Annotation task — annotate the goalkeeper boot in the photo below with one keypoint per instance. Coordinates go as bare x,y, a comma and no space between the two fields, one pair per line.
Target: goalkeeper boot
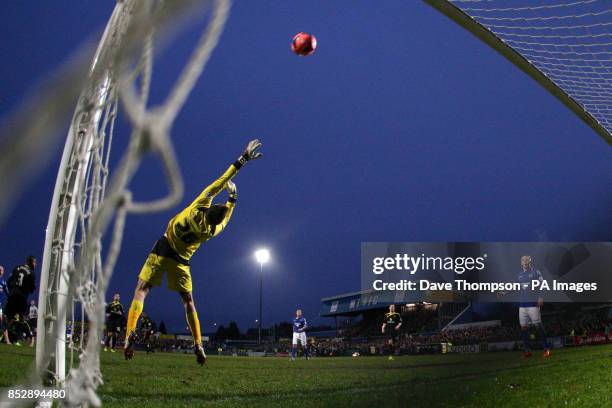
200,354
128,350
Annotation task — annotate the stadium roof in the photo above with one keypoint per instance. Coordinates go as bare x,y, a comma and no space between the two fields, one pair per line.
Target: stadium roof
352,303
358,302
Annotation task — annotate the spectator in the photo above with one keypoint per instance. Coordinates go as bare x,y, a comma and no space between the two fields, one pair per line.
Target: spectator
33,317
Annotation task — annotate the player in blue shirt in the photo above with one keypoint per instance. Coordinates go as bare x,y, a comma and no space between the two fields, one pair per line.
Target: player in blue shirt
529,306
299,333
4,292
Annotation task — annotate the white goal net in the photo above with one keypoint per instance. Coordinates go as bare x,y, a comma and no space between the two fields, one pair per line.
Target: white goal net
91,200
566,45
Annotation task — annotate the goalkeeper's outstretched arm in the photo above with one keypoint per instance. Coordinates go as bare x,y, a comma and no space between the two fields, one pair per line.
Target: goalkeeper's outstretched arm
204,200
230,204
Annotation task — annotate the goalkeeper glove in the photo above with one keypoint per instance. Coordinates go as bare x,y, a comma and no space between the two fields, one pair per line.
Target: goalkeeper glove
232,191
250,153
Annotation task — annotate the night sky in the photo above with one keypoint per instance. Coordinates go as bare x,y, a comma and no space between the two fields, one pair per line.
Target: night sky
401,127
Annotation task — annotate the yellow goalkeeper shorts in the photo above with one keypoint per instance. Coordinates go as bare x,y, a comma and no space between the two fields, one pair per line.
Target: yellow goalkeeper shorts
160,261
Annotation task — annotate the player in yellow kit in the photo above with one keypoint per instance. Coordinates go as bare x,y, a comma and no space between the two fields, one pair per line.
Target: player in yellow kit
197,223
390,327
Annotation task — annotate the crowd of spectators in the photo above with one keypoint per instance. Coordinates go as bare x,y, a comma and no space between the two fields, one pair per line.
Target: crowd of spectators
418,319
18,317
364,338
582,325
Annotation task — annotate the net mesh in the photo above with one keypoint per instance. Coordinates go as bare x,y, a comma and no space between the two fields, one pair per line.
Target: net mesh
568,41
89,207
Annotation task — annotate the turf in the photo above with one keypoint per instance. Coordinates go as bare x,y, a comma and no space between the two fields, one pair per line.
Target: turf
571,377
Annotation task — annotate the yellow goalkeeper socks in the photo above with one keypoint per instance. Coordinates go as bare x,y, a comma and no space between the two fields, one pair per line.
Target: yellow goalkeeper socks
133,315
194,325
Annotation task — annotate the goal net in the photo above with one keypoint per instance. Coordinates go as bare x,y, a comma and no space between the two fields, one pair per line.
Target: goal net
565,45
89,207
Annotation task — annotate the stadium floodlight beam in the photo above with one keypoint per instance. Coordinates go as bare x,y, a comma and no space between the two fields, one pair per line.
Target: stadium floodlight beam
262,256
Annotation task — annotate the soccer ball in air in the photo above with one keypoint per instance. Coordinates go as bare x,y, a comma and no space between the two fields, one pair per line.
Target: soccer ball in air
303,44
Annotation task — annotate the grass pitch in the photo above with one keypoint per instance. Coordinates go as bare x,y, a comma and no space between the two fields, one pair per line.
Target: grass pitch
570,377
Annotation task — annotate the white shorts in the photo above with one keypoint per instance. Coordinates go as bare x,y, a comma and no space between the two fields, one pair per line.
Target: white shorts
299,336
529,315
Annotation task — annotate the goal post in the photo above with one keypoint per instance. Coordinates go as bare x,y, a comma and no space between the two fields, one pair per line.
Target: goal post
562,45
89,206
58,255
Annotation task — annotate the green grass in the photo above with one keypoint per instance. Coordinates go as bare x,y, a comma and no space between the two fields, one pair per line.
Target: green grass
571,377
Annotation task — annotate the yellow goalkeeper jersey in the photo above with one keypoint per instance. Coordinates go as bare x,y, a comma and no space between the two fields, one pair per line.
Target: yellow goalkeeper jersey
188,229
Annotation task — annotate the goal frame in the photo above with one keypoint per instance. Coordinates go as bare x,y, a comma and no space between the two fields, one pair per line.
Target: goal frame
464,20
87,203
81,126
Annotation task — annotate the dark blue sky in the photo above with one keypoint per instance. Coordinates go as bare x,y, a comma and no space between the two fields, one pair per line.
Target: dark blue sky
402,126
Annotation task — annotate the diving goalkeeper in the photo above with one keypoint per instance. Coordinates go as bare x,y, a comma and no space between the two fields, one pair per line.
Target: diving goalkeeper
197,223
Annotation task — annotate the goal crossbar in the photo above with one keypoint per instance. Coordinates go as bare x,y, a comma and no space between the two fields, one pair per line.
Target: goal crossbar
488,37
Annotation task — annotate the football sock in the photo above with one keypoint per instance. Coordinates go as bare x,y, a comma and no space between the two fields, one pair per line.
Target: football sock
194,325
133,315
543,336
293,352
306,352
525,337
